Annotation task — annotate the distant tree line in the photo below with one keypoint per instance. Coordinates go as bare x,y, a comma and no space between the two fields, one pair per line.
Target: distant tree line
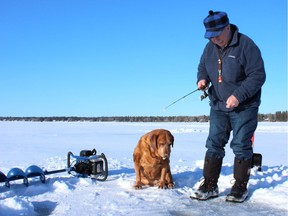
276,117
112,119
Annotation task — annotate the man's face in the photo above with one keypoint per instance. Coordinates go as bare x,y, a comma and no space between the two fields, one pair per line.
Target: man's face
223,39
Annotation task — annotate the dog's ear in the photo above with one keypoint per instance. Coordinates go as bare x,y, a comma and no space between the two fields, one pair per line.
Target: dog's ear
170,138
153,141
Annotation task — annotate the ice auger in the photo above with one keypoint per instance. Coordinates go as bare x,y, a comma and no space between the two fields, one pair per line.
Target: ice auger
87,164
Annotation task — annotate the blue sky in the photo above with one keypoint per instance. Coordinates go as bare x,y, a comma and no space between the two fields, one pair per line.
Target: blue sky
125,57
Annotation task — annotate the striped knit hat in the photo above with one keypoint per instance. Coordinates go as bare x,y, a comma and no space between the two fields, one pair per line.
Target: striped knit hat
214,23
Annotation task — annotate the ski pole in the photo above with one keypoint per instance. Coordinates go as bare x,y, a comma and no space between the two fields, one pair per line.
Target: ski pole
181,98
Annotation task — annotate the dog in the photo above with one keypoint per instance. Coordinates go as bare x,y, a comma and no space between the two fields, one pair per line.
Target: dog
152,159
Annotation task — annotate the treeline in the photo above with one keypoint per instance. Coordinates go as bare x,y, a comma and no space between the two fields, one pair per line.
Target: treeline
276,117
112,119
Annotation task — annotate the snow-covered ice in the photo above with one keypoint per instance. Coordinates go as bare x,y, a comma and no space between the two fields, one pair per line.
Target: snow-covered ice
46,145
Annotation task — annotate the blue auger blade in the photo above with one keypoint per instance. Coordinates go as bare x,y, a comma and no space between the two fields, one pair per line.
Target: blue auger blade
15,174
34,171
2,177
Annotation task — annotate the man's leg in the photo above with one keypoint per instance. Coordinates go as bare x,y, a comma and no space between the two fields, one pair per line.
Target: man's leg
219,133
244,124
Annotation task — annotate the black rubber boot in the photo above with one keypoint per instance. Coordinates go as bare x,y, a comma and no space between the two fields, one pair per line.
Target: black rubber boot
239,190
211,172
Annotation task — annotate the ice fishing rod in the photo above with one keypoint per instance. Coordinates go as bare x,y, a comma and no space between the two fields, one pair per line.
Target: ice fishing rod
198,89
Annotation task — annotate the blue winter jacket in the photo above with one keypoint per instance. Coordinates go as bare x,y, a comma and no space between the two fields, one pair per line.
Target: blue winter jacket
243,72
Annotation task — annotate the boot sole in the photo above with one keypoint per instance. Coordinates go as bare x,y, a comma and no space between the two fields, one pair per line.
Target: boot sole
235,199
204,199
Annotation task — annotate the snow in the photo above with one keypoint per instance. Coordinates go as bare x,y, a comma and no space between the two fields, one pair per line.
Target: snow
46,145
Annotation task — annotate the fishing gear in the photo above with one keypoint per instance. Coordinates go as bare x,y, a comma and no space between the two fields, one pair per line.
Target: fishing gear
202,97
88,164
256,158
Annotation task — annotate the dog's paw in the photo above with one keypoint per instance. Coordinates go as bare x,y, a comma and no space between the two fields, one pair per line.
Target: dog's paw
161,185
137,187
171,186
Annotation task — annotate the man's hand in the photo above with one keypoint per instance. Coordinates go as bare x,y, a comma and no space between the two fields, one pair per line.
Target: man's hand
202,85
232,102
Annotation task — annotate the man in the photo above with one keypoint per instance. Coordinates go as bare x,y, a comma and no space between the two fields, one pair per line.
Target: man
232,69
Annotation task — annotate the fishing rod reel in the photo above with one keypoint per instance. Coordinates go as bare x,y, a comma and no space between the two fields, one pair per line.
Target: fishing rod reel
204,95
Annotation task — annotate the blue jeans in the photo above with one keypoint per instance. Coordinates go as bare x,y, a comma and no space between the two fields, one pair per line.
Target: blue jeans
243,123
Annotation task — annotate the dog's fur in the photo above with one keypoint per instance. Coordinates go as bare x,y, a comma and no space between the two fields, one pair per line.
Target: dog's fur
152,159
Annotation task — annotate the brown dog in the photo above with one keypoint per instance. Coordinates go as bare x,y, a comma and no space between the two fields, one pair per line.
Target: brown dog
152,159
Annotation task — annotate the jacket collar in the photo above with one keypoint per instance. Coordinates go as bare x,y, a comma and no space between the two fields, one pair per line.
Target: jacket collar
235,35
